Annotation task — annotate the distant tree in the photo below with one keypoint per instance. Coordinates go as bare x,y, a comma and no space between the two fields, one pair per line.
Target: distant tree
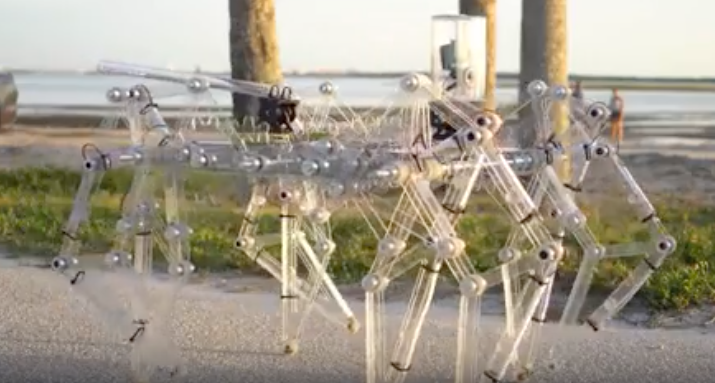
253,46
487,9
544,56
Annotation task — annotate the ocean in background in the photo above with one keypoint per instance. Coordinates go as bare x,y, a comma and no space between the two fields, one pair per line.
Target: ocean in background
38,91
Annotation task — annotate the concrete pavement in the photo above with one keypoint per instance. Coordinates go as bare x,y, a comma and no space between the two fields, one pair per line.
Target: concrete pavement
48,336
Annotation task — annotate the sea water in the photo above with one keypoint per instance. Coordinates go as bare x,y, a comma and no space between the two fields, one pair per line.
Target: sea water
77,90
656,120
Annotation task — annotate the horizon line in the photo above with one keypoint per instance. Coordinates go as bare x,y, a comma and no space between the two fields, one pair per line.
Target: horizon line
394,73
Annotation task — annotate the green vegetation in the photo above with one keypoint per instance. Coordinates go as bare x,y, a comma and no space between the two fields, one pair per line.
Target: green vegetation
36,202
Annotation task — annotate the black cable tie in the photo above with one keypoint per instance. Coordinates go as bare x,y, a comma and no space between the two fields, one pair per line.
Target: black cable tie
148,106
552,140
452,210
69,235
576,189
164,141
528,218
649,217
418,163
139,331
491,376
592,324
587,152
77,278
398,368
549,156
538,281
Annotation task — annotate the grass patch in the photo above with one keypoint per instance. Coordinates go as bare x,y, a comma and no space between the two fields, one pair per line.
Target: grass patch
36,202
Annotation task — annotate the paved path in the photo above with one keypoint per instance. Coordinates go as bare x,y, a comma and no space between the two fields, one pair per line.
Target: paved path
49,337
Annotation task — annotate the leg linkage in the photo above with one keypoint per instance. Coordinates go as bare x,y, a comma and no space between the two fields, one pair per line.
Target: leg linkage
130,259
523,211
656,248
69,262
316,246
294,240
587,128
532,238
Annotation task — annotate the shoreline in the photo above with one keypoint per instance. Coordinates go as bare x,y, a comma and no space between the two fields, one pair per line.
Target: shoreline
83,116
690,84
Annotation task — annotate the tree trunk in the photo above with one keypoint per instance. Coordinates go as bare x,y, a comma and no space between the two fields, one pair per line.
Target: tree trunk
532,63
557,70
487,9
253,49
544,56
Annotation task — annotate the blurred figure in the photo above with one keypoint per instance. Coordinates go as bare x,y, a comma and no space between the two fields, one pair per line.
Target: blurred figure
616,108
8,99
577,90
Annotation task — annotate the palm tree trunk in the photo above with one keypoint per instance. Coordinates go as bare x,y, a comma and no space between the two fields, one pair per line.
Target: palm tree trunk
557,70
532,62
487,9
253,49
544,56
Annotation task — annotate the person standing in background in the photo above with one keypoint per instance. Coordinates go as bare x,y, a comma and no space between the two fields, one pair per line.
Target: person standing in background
616,108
